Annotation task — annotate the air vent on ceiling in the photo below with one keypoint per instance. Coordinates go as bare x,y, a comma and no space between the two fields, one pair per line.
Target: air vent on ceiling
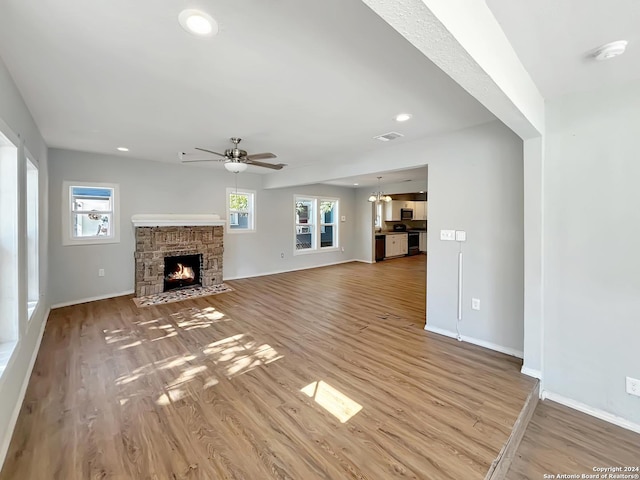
388,136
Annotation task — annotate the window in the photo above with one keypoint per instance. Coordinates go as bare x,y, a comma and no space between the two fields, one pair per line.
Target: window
378,222
316,225
8,245
33,288
241,210
92,213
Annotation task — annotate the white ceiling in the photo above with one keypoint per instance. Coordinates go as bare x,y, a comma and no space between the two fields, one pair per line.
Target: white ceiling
309,80
554,38
388,178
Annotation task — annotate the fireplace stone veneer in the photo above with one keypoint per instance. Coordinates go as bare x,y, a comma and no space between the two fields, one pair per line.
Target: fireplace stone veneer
156,240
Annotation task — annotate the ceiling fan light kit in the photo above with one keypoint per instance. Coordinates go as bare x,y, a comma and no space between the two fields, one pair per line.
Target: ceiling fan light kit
235,167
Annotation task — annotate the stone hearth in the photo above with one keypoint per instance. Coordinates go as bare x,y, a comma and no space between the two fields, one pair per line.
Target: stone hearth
160,236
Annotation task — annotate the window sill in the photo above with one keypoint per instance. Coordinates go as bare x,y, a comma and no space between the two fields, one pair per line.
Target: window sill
318,250
6,350
93,241
31,307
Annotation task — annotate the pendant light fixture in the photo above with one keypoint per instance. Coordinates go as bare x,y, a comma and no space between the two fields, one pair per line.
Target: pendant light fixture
379,196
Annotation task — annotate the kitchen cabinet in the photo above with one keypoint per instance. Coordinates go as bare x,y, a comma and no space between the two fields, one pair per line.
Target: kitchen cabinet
396,244
392,209
423,242
419,210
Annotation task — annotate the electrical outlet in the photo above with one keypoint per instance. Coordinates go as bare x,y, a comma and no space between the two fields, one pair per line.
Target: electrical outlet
633,386
101,272
475,304
343,218
447,235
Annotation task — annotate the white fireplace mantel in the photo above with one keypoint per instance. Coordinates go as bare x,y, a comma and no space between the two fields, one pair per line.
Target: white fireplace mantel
176,220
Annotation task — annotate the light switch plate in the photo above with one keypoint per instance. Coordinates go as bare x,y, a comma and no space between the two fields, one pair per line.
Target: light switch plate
461,236
343,218
447,235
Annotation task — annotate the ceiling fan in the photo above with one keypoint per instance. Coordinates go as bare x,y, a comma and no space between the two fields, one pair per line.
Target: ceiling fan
236,160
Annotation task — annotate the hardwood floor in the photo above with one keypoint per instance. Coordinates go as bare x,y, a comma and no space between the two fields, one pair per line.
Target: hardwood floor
560,440
317,374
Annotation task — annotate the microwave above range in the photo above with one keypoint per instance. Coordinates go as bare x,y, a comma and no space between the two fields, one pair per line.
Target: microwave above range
406,214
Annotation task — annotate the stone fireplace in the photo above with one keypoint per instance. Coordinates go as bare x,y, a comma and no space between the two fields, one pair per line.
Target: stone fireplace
176,251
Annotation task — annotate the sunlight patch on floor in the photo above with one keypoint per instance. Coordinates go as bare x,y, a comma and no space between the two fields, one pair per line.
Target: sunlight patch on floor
239,354
332,400
170,397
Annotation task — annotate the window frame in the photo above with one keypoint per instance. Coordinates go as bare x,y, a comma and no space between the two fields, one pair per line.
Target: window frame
32,251
11,242
317,223
67,207
251,210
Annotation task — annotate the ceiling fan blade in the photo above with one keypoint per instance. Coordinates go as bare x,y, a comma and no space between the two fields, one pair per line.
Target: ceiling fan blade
273,166
260,156
210,151
202,160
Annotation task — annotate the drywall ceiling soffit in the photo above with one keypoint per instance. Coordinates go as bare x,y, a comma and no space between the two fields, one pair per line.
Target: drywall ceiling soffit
388,177
465,41
554,41
292,77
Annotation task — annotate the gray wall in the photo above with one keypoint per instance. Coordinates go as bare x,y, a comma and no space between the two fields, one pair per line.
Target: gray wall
533,255
592,264
154,187
15,115
475,183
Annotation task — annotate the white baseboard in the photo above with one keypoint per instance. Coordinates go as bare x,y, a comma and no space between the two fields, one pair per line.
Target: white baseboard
531,372
276,272
92,299
475,341
594,412
6,441
363,261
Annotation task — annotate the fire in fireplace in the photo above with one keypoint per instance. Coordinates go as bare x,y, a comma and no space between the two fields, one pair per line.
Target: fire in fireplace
182,271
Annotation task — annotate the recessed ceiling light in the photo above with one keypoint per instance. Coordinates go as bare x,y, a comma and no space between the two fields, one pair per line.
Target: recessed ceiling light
355,184
403,117
610,50
421,191
198,23
123,149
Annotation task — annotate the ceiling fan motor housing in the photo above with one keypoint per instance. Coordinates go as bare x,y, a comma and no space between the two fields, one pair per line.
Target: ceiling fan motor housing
235,153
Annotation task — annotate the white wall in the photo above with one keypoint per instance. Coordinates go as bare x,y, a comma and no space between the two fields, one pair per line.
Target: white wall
15,116
475,183
592,264
154,187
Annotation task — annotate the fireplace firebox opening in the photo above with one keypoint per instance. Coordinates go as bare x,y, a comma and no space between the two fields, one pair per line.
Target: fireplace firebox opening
182,271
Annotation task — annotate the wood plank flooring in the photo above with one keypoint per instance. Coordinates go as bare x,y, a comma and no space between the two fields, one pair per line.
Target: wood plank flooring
560,440
318,374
